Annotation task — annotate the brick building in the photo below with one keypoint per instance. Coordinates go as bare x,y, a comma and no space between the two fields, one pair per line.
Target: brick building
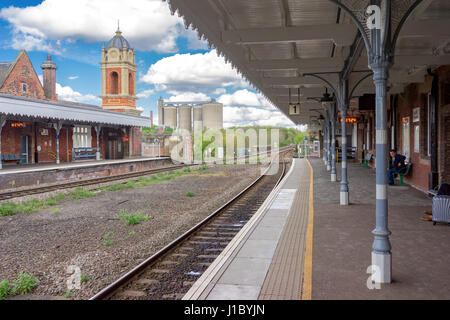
36,127
419,128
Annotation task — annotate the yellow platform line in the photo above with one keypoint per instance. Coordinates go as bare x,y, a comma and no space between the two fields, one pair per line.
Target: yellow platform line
307,270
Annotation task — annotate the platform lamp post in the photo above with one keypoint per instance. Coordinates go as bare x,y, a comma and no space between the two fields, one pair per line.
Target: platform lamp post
380,30
2,123
57,126
98,131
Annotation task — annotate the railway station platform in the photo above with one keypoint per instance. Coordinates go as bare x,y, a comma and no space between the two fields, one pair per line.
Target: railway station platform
302,244
19,177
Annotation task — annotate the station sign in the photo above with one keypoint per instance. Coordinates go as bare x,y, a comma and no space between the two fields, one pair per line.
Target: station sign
349,120
17,125
125,139
294,109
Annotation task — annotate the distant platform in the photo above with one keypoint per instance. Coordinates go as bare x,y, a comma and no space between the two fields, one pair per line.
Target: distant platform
25,176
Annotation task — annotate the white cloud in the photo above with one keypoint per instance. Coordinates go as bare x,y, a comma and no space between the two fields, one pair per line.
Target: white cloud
245,98
145,93
251,116
220,91
247,108
189,96
147,24
68,94
193,72
73,77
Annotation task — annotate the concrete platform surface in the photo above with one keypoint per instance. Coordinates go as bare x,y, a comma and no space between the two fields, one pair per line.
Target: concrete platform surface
248,268
14,169
343,241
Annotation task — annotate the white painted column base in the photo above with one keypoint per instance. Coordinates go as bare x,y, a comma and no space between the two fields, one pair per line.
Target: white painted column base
333,177
57,162
381,267
328,167
344,198
97,157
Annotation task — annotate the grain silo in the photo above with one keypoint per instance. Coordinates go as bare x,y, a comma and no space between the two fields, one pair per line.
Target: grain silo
198,117
170,117
184,118
213,115
160,112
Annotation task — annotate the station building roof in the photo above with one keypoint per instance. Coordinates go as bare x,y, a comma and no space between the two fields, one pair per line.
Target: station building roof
277,44
19,107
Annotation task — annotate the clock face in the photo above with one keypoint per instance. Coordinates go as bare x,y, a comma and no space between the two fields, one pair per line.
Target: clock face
113,54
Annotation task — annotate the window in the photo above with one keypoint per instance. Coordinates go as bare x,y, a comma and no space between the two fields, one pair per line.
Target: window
130,84
114,82
24,87
82,137
417,139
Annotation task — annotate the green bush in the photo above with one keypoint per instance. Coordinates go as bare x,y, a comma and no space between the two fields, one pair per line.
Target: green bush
190,194
84,278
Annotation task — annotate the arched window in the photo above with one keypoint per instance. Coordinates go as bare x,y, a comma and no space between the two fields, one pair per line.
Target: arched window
114,80
130,84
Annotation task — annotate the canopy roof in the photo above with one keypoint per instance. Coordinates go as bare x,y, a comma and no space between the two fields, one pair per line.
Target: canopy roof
14,107
274,44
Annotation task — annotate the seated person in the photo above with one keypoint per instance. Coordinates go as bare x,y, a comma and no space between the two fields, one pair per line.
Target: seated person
397,163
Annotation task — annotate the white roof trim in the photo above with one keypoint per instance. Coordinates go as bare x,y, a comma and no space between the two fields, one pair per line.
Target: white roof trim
18,106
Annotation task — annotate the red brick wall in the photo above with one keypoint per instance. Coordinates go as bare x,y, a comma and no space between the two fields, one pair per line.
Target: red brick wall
136,141
444,124
23,72
413,97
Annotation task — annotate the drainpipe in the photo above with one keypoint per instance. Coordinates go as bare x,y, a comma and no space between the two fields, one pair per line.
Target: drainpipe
433,175
2,123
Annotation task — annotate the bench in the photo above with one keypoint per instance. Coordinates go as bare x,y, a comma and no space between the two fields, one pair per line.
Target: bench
403,172
84,153
10,157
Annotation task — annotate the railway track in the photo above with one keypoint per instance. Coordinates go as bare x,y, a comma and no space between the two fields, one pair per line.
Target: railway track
82,183
169,274
38,190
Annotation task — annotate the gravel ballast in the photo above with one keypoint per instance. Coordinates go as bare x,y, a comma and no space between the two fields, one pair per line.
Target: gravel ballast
48,242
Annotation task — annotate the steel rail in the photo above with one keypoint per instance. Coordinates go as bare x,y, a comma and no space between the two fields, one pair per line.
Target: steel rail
110,290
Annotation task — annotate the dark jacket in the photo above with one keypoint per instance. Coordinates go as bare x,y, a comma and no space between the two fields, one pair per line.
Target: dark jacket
398,159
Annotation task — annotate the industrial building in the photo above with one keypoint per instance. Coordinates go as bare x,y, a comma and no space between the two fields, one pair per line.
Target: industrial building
188,115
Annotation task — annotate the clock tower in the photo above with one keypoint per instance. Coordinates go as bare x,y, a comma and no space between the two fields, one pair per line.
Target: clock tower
119,76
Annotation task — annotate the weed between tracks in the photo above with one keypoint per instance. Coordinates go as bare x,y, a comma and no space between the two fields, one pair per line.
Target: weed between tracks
24,283
133,218
35,205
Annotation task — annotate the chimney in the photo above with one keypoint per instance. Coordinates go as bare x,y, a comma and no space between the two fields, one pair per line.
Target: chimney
49,70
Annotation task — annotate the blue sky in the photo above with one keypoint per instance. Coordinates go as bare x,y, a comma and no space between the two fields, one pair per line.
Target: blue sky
172,62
